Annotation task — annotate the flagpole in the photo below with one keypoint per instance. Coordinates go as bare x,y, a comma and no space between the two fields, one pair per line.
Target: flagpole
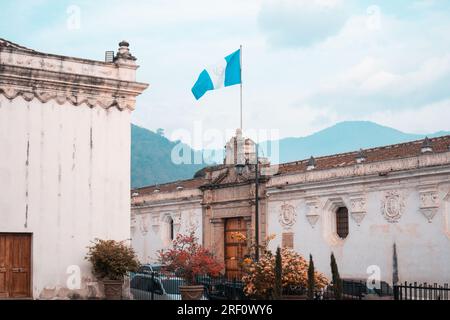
241,83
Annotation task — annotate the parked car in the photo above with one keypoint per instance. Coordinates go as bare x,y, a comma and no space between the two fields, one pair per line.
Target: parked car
149,268
146,287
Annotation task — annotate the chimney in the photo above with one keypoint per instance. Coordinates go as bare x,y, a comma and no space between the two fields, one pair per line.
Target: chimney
361,156
427,146
311,164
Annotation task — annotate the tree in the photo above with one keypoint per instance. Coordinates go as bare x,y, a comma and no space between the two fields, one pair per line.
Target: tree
160,131
188,259
311,278
337,282
277,292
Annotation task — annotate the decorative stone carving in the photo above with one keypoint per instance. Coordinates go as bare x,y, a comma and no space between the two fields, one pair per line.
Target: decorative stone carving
429,202
329,220
176,222
447,214
133,221
288,216
143,225
192,220
155,222
392,206
358,208
70,79
313,213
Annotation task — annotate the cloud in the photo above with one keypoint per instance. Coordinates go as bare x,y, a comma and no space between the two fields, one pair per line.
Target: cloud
307,64
301,23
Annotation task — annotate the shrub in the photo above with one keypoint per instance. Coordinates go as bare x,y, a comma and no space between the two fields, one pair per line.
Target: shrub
111,260
337,282
259,277
278,289
311,278
188,259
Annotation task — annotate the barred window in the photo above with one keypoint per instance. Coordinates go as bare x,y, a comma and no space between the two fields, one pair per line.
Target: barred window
342,222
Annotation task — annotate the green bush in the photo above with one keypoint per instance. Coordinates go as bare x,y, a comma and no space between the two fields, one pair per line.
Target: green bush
111,260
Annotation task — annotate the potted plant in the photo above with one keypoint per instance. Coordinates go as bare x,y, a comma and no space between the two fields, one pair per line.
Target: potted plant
111,261
189,260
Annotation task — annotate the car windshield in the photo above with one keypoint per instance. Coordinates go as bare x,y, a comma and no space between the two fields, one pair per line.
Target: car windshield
172,286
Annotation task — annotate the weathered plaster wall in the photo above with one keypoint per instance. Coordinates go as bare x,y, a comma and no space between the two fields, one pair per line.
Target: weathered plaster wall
150,226
64,177
422,240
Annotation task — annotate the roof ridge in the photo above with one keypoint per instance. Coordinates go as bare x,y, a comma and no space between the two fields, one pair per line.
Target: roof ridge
365,150
15,45
168,183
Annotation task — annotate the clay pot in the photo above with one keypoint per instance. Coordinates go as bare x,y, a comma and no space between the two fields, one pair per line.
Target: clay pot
191,292
113,289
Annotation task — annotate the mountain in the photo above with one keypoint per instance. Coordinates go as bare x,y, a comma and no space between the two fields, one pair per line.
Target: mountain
151,161
151,153
343,137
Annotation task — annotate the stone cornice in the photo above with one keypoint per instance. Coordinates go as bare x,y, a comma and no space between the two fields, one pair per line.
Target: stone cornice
340,186
162,205
62,79
380,168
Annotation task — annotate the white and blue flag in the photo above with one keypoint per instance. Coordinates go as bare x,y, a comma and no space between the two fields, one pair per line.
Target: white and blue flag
224,74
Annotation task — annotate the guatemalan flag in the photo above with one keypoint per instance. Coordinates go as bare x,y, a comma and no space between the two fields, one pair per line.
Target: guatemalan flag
226,73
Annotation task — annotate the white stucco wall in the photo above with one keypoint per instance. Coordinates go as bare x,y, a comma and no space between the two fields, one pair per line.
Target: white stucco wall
65,178
423,247
150,228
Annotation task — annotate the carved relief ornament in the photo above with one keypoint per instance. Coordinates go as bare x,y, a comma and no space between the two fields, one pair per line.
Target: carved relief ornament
358,208
429,202
312,214
393,206
288,216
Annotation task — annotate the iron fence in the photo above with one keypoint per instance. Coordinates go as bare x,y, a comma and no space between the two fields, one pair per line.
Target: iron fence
166,286
414,291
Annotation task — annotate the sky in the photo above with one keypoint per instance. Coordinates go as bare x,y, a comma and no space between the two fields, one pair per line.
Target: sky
307,64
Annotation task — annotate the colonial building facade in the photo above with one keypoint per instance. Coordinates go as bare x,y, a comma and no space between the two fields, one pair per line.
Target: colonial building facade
64,166
358,205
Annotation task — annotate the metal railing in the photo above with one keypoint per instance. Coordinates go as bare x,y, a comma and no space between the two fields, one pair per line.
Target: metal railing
414,291
166,286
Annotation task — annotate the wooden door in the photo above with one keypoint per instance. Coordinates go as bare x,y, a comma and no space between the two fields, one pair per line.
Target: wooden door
15,265
235,249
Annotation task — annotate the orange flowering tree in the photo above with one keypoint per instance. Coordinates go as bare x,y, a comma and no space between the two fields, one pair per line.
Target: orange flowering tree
188,259
259,277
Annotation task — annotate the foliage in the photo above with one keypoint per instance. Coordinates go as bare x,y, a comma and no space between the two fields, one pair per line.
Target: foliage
111,260
151,159
337,282
278,290
189,259
311,278
259,276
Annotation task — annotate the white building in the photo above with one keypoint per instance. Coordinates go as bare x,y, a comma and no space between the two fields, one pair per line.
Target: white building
356,205
64,166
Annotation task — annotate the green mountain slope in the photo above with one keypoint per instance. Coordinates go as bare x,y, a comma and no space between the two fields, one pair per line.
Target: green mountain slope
151,153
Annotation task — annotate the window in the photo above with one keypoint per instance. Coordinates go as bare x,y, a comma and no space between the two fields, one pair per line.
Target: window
342,222
171,229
